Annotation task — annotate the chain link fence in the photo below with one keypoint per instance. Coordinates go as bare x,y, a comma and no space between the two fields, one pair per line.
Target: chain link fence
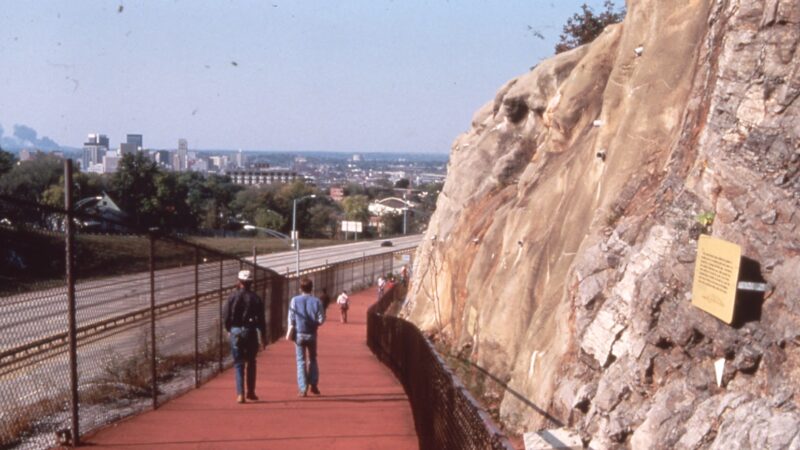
147,322
446,415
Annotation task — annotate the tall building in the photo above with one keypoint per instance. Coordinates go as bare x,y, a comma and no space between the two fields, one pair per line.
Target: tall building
183,155
135,140
127,148
94,149
162,158
240,160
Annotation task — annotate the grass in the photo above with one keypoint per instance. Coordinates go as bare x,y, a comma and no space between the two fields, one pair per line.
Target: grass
130,377
241,246
19,421
34,260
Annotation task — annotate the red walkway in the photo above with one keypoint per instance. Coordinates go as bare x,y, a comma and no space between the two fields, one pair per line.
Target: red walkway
362,405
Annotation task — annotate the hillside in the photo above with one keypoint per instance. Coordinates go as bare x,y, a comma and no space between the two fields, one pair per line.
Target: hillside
561,254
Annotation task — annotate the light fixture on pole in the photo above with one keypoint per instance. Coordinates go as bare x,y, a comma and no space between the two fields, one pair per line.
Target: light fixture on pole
269,232
295,234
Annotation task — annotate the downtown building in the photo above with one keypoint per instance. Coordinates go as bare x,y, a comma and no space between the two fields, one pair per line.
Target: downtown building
94,149
262,174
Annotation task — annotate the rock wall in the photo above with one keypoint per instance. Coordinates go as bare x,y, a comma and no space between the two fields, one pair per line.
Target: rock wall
561,254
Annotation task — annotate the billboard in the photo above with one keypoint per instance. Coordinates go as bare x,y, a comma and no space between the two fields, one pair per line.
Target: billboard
348,226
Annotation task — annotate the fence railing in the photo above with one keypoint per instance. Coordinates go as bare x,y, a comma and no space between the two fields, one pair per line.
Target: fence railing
147,330
446,416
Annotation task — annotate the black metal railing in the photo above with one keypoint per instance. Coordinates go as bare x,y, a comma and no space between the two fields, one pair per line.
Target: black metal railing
446,416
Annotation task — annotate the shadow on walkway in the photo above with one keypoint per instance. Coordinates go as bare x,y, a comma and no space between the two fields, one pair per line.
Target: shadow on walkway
362,405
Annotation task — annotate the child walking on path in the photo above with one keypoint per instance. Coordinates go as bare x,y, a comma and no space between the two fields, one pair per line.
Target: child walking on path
344,304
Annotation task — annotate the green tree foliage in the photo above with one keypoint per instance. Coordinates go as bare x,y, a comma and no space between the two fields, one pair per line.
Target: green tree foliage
29,179
392,223
429,195
324,219
7,162
84,185
222,192
402,183
354,189
171,205
356,208
585,26
247,202
267,218
134,189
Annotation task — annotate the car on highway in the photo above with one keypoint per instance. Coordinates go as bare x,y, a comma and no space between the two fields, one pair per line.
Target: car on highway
386,244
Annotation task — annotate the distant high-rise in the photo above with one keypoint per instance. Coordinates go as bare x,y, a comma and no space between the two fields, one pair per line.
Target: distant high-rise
240,160
183,153
94,149
135,140
127,148
162,158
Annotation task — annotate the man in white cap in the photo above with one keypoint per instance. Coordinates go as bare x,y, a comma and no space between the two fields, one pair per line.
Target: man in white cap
244,320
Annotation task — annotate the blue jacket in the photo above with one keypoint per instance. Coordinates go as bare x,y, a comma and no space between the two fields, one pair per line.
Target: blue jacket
306,314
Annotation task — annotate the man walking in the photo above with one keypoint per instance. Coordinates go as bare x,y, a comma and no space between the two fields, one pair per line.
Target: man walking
244,320
306,314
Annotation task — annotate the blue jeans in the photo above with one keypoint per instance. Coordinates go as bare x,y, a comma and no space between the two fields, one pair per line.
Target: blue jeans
306,351
240,362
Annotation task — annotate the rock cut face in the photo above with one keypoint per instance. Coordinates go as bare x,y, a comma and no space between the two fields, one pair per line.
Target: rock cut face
562,249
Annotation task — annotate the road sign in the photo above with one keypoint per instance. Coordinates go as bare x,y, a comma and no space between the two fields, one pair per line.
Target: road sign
716,272
348,225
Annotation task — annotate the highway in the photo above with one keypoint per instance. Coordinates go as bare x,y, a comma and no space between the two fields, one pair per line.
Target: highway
322,256
33,357
26,318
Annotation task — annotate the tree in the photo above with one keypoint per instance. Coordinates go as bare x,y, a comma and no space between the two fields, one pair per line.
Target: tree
85,185
402,183
247,202
585,26
356,207
324,218
392,223
267,218
135,191
7,162
30,179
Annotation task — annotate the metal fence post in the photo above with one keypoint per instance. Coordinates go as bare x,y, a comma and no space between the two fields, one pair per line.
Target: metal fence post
153,370
71,307
196,318
221,318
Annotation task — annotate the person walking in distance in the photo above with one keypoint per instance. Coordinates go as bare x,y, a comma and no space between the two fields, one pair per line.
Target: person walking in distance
344,304
306,314
381,286
325,298
244,320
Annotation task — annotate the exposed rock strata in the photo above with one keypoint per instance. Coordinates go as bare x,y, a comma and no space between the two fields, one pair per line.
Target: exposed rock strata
562,249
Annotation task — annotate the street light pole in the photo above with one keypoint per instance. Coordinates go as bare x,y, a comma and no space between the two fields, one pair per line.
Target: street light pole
405,213
295,234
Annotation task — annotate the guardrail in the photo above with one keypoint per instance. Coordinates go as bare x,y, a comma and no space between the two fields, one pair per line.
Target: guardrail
446,416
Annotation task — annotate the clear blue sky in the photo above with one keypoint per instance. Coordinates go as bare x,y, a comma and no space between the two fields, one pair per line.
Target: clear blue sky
368,75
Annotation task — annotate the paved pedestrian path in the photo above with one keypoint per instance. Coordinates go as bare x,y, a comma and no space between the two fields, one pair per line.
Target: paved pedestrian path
362,405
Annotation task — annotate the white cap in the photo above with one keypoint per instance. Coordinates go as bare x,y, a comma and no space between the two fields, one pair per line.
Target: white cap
245,275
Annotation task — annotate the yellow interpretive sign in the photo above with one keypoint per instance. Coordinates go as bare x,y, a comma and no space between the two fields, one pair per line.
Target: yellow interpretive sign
716,273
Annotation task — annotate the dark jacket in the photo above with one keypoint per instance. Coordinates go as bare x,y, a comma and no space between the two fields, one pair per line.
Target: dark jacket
245,309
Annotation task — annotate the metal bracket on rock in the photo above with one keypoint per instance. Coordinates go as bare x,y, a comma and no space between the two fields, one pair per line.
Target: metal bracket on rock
753,286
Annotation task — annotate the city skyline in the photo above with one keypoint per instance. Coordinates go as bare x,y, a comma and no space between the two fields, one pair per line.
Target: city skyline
305,76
